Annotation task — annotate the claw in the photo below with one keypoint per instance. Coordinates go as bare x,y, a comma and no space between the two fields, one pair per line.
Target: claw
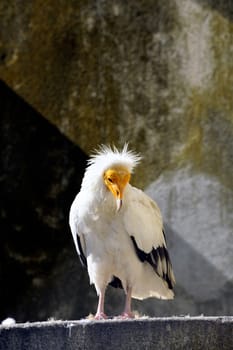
100,316
127,315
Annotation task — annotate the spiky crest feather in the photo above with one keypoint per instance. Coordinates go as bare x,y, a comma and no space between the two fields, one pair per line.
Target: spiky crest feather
106,157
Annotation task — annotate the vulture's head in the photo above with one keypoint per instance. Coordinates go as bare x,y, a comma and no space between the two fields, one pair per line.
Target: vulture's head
112,169
116,178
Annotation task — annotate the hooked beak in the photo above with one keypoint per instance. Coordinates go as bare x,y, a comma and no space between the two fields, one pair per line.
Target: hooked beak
118,203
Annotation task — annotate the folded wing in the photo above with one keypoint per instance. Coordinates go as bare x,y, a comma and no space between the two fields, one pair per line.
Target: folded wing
143,223
77,236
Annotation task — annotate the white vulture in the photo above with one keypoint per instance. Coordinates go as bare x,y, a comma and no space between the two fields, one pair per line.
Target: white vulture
118,231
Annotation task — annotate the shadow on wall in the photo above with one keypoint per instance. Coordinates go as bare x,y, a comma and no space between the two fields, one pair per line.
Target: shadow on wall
200,287
40,273
203,285
225,8
40,173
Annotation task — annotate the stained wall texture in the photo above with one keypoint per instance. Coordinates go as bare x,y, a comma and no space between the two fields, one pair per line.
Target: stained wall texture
210,333
156,74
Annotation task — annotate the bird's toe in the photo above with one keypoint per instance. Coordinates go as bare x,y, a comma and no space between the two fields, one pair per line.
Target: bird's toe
100,316
126,315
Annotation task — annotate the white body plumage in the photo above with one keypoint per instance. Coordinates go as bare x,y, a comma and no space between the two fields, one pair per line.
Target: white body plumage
127,244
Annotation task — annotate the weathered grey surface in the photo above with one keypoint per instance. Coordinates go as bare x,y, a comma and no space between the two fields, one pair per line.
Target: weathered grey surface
199,219
158,74
168,333
155,73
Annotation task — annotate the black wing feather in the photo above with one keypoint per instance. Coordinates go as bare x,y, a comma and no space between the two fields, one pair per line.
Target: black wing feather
159,259
116,282
82,256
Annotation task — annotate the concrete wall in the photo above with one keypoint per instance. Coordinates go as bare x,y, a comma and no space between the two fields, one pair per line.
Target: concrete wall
155,73
168,333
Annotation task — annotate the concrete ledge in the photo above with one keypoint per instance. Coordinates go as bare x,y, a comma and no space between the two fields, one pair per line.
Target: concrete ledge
145,333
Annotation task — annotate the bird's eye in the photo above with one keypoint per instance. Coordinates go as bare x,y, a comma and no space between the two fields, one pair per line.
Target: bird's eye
110,180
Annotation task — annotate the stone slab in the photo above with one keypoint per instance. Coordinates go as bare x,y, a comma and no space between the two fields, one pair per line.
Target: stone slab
145,333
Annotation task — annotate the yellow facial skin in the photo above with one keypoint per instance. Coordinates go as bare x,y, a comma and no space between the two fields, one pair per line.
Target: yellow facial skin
116,179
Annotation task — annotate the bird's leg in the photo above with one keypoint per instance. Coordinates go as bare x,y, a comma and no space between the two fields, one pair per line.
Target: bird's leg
100,315
127,311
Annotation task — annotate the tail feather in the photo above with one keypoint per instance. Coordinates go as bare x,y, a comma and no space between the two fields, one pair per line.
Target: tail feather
151,285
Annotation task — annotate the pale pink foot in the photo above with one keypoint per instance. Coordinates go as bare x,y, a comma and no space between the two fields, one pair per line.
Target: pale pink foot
126,315
100,316
127,312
